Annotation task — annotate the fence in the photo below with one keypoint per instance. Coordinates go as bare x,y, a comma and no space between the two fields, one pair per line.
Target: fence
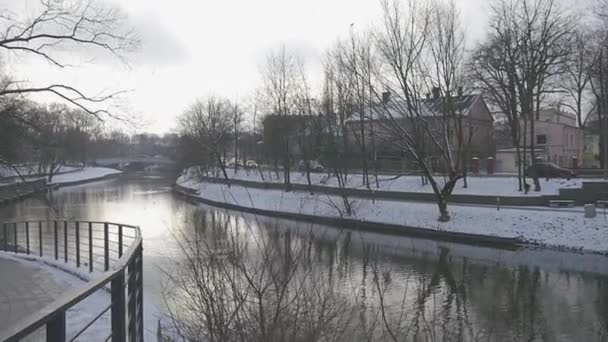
114,250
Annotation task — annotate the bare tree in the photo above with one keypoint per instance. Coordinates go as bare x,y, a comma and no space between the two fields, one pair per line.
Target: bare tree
280,85
533,43
599,79
61,25
237,122
422,128
577,76
209,122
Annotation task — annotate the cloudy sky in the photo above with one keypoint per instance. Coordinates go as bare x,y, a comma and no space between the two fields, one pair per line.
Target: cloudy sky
196,48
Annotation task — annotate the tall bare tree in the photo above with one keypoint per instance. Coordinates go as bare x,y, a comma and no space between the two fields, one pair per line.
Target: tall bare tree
577,76
411,44
210,123
532,40
280,79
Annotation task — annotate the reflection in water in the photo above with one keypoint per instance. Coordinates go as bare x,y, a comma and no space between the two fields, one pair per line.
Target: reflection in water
395,286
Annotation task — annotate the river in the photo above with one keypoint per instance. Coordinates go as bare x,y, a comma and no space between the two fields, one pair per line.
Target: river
498,295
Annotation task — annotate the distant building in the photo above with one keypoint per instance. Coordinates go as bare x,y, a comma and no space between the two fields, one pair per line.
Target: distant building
477,122
557,139
292,134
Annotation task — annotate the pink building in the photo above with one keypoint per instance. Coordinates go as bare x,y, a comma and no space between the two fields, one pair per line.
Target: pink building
557,140
558,137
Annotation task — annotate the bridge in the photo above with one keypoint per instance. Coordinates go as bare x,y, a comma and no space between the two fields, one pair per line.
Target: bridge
136,163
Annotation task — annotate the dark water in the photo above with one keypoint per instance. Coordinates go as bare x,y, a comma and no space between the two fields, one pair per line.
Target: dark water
444,291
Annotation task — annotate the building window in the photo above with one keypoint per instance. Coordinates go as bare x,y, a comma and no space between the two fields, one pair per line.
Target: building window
541,139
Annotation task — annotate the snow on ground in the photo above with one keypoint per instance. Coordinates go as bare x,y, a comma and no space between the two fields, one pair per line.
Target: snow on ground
82,313
477,185
88,173
552,228
27,171
72,277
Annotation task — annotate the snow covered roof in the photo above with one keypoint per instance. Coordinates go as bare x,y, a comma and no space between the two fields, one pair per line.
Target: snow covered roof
398,108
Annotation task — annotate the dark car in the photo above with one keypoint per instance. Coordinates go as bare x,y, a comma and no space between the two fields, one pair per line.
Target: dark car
548,170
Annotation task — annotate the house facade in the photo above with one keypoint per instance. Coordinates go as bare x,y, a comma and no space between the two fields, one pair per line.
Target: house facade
557,139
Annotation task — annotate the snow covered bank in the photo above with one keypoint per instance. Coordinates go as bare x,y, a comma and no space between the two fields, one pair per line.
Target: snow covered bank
489,186
549,228
86,174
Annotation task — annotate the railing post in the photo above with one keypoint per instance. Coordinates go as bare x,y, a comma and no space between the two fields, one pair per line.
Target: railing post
140,292
27,237
106,247
65,240
118,307
5,231
132,302
90,247
55,329
40,236
55,240
15,231
77,237
120,240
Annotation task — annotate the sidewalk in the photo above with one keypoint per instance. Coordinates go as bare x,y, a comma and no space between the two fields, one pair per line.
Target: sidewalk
24,289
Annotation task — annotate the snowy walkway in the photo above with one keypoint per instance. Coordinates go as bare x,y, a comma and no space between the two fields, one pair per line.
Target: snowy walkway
563,229
477,185
28,286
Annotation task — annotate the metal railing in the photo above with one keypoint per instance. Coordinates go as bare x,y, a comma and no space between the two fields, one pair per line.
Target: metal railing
113,250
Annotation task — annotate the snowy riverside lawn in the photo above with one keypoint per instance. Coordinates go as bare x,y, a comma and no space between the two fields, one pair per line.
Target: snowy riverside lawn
553,228
477,185
71,174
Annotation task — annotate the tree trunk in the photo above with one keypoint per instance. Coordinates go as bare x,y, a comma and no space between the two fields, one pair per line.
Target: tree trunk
532,144
444,215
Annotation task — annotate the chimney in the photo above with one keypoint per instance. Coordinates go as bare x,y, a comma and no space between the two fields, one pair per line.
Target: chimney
386,96
435,93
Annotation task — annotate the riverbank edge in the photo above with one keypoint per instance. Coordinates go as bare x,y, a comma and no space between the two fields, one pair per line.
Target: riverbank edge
56,186
377,227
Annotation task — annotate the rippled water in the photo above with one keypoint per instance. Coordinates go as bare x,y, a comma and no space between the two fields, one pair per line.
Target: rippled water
439,291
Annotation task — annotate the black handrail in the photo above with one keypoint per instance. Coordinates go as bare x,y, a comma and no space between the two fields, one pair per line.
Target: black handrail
123,274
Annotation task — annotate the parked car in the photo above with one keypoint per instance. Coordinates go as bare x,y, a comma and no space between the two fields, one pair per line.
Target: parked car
232,161
548,170
251,164
315,166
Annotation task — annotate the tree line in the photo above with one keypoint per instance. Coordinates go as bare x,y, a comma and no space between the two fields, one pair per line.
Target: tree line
377,83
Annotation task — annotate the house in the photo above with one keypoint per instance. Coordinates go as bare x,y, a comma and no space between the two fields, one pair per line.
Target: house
557,139
472,112
557,134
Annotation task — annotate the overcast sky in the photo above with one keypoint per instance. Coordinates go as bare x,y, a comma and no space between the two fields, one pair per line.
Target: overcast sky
196,48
